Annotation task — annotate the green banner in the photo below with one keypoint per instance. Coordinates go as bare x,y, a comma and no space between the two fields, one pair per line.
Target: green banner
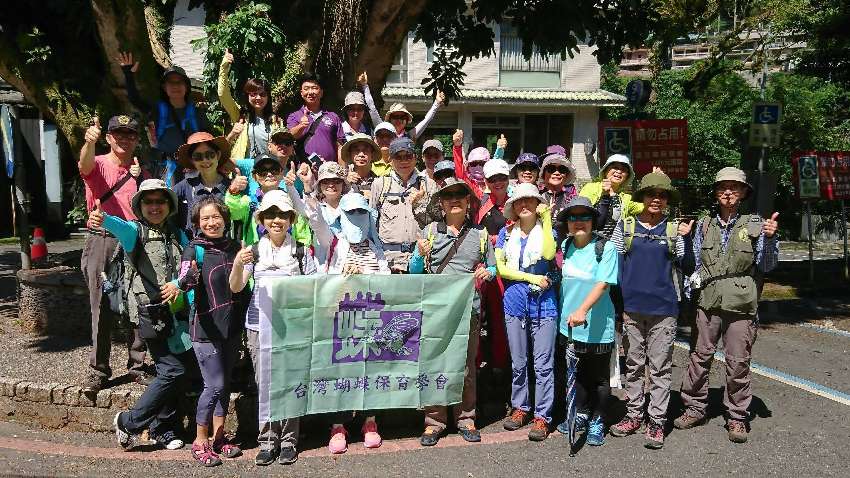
362,342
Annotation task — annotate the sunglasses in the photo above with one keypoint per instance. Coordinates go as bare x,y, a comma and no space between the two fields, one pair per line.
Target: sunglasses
398,118
276,214
561,169
266,171
582,218
444,174
198,156
158,202
453,195
284,142
357,212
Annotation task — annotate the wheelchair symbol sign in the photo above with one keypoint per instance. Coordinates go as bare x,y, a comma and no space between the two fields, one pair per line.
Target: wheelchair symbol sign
618,141
766,113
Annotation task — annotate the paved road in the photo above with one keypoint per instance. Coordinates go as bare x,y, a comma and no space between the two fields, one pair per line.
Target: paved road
794,432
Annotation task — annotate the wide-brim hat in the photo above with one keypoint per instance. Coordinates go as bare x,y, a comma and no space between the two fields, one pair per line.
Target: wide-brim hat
558,160
451,183
657,180
526,159
477,155
331,170
521,191
352,201
621,159
220,143
345,152
575,203
147,186
354,98
731,173
274,198
554,149
398,108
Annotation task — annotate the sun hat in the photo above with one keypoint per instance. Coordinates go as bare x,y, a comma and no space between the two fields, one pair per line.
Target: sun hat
265,159
521,191
385,126
279,131
354,98
398,108
147,186
444,165
352,201
730,173
331,170
451,183
526,159
400,144
554,149
123,122
577,202
274,198
345,152
220,143
657,180
479,154
618,158
433,143
558,160
495,167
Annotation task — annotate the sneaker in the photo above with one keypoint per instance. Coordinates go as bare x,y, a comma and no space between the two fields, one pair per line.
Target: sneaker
431,436
654,438
338,442
225,448
596,431
539,430
204,454
371,438
469,433
169,441
737,431
581,424
288,455
93,383
123,436
626,427
266,456
516,420
687,421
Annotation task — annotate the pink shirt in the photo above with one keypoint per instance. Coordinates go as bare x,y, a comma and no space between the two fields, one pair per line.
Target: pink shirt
104,175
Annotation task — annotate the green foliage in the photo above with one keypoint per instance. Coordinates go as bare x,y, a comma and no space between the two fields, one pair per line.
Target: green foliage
35,48
258,45
611,81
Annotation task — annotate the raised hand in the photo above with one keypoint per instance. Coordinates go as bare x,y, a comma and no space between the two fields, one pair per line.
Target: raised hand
657,169
542,209
125,59
93,131
606,187
441,98
244,256
770,225
135,169
418,195
304,121
363,80
502,142
238,127
228,57
96,216
457,137
685,227
238,183
169,291
290,178
353,177
305,173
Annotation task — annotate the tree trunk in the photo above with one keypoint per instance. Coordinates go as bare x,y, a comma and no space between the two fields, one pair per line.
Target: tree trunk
159,22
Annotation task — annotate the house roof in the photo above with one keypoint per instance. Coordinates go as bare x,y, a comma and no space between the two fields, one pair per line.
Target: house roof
510,96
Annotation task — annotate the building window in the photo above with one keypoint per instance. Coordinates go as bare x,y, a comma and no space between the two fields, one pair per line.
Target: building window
398,72
544,130
539,71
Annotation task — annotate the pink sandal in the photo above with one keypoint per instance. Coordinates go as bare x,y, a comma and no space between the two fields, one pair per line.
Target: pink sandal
371,438
338,442
205,455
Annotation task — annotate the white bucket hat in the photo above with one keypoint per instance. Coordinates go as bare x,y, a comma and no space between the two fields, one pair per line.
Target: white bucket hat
521,191
274,198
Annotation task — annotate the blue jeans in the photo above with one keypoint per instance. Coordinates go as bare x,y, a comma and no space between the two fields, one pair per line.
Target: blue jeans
157,407
538,336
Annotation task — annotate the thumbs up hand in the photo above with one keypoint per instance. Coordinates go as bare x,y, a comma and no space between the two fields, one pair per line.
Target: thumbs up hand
228,57
244,256
770,225
135,169
238,127
238,183
502,142
93,131
685,227
457,137
96,216
363,80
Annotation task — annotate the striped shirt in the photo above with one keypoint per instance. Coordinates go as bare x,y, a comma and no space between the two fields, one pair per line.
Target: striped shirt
362,256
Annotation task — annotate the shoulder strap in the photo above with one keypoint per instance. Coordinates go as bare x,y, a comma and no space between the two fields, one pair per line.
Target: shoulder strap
115,187
255,251
453,250
484,237
312,130
600,246
191,117
706,222
199,255
385,188
628,232
299,256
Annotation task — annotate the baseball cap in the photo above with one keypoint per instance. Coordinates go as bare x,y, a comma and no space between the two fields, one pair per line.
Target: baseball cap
401,144
122,122
495,167
432,143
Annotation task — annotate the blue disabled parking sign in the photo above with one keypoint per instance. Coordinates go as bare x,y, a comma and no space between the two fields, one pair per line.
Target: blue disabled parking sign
766,113
618,140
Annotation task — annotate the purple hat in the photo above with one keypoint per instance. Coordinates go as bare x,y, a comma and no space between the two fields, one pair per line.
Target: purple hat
527,158
554,149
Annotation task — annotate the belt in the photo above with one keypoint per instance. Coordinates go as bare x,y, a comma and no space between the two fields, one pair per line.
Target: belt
399,246
100,232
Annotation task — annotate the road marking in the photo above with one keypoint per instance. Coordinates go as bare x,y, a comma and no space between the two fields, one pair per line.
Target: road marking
787,379
828,330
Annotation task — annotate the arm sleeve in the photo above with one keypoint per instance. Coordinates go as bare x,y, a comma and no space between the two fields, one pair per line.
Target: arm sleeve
604,208
617,238
457,156
224,95
187,278
679,248
425,121
767,253
499,153
548,237
417,263
127,232
370,105
489,257
634,208
133,91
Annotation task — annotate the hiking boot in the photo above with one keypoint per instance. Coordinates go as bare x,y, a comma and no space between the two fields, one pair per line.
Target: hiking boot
126,439
288,455
687,421
93,383
539,430
516,420
596,431
737,431
469,433
431,436
626,427
266,456
654,438
168,440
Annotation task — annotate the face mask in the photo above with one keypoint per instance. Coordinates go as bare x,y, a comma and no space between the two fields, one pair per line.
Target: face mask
476,173
355,227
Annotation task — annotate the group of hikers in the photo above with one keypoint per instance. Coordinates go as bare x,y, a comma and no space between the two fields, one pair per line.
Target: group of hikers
209,219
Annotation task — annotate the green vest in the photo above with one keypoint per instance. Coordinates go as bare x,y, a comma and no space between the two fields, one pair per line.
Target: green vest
727,277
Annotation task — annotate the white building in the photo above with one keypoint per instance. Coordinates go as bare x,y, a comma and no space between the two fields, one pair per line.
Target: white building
533,103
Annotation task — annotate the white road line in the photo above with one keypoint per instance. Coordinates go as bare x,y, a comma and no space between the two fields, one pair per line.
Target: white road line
828,330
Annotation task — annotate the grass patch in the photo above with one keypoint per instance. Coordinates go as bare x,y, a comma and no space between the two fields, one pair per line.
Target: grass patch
9,241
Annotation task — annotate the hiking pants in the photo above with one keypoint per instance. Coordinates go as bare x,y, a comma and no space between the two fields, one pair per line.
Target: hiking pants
464,412
538,337
279,433
156,409
593,381
97,252
739,334
650,340
216,360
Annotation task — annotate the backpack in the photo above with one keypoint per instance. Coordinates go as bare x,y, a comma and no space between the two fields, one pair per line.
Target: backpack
670,234
599,246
